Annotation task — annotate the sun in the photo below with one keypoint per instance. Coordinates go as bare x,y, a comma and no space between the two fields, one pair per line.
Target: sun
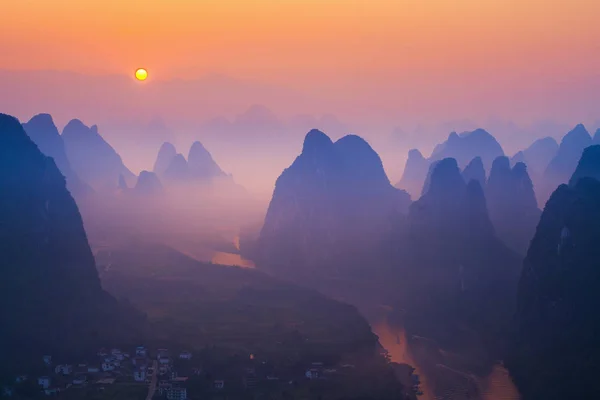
141,74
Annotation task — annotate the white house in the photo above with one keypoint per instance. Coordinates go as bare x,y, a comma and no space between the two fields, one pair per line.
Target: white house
163,386
52,392
219,384
107,367
139,361
93,369
47,360
44,382
185,355
140,351
80,380
63,369
164,361
160,353
21,378
139,375
163,369
176,393
312,373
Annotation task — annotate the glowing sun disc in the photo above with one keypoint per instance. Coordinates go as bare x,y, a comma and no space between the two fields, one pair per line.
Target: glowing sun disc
141,74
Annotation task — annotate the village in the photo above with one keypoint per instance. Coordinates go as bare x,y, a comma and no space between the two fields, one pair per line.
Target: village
148,374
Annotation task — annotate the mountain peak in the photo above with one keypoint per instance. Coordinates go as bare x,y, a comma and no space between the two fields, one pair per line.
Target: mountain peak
415,173
166,153
9,129
445,177
197,150
178,168
201,163
75,127
597,136
42,120
520,169
39,127
148,184
315,141
468,145
479,132
475,171
577,135
500,165
354,143
415,154
92,157
588,166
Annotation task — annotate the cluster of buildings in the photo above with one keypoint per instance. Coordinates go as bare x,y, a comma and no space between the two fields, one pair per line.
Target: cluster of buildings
160,372
109,367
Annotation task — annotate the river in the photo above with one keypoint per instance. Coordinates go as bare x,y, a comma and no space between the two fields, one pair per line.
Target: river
438,381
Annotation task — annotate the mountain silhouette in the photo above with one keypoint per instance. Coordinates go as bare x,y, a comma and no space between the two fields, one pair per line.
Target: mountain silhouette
518,157
512,204
427,182
165,155
201,164
42,130
463,148
558,300
455,272
50,291
468,145
94,160
475,171
537,157
334,202
596,138
178,169
415,172
148,184
589,165
565,161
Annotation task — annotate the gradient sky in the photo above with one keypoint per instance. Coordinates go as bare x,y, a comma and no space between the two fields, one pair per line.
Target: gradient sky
375,64
423,49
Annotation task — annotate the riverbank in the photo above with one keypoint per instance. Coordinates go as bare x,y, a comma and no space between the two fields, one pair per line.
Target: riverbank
439,373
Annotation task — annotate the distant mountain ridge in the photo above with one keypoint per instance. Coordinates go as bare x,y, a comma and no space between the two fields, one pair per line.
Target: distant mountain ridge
42,130
452,270
571,147
94,160
199,165
332,197
50,291
512,204
463,148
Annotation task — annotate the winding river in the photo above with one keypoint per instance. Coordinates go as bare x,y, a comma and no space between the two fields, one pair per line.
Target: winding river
438,381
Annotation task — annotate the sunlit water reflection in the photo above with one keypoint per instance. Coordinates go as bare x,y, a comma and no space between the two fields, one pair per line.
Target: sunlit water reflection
438,381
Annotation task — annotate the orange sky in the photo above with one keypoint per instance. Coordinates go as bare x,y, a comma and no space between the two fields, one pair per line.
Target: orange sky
427,57
375,64
275,38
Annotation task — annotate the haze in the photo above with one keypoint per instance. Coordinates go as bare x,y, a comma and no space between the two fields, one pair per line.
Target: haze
424,68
